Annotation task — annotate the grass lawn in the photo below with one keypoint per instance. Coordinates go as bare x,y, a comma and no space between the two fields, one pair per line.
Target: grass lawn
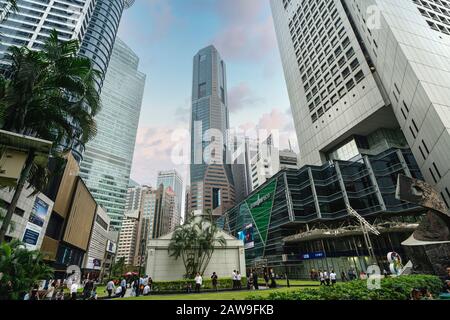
298,283
228,295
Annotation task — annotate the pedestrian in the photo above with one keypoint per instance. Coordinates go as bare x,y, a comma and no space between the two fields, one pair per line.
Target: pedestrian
234,279
34,295
110,287
333,277
343,276
198,282
426,294
322,277
150,283
266,279
214,279
88,286
74,290
51,291
239,280
93,295
189,287
123,284
60,294
326,275
255,280
273,283
250,281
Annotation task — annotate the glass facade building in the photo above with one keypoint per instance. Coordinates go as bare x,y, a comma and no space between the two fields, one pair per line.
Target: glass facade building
211,181
173,180
108,157
297,210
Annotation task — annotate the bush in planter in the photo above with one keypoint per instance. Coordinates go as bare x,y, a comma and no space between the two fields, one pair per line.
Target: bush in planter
398,288
180,285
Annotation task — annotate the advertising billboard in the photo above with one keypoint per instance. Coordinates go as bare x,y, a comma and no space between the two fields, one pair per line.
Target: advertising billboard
111,247
35,224
247,236
39,212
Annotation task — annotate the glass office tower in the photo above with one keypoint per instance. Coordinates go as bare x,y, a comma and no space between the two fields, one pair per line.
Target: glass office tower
108,157
211,181
173,180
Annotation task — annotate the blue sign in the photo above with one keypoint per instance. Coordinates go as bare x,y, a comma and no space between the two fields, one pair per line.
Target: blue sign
314,255
30,237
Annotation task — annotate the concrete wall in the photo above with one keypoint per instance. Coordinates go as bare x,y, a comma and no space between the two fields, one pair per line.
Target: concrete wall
162,267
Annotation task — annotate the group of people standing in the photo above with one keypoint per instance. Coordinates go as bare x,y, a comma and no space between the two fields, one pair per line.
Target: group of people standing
139,286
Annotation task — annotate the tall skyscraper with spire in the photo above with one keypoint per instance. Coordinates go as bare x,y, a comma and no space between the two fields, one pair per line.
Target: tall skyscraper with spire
211,179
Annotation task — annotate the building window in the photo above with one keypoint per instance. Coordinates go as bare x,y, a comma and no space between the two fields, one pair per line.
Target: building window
202,90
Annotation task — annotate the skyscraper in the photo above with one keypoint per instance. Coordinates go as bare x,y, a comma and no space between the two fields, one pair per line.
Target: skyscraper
173,180
211,178
364,76
34,21
107,160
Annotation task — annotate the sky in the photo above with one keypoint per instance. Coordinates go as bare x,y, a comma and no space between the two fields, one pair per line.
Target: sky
166,34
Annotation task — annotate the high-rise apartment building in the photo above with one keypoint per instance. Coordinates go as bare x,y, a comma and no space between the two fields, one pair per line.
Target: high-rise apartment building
173,180
127,245
107,160
364,76
211,178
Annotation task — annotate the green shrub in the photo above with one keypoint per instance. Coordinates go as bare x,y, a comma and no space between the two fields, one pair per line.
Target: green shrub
181,285
398,288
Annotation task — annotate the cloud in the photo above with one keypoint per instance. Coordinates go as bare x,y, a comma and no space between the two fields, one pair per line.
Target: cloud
242,96
247,32
154,152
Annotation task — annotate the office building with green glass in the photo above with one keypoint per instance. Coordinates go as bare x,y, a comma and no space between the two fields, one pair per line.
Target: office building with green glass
298,219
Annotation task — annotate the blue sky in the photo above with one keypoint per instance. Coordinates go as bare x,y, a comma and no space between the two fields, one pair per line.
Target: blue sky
166,34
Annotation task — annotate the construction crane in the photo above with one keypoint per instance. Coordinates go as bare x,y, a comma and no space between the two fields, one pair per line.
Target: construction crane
366,227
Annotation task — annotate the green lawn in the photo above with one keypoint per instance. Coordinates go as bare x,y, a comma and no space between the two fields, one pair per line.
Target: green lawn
228,295
298,283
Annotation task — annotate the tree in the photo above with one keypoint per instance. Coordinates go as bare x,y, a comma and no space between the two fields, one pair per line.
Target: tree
52,95
20,269
194,242
118,268
8,7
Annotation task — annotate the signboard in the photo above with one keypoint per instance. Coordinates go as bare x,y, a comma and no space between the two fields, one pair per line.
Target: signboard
94,264
311,256
111,247
247,236
35,224
39,212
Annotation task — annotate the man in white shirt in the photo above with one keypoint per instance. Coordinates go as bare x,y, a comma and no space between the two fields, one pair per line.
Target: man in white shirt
198,282
322,277
110,287
234,278
118,292
146,290
333,277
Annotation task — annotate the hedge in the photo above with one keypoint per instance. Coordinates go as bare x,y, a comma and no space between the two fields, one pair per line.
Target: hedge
181,285
398,288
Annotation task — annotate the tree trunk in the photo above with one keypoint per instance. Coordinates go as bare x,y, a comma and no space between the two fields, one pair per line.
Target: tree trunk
12,207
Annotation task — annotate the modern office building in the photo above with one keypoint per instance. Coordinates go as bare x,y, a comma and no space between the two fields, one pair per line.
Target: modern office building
108,157
211,178
298,220
164,208
173,180
34,21
355,67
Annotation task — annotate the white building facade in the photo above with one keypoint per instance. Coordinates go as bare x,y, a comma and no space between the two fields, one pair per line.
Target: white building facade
363,74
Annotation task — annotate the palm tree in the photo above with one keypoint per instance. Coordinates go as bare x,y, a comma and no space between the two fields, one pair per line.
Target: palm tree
20,269
8,7
195,242
52,95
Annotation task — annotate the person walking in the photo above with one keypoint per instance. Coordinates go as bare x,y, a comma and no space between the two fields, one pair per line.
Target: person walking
198,282
214,279
266,279
255,280
234,279
239,280
250,282
333,277
273,283
110,287
343,277
326,275
322,277
123,284
88,286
